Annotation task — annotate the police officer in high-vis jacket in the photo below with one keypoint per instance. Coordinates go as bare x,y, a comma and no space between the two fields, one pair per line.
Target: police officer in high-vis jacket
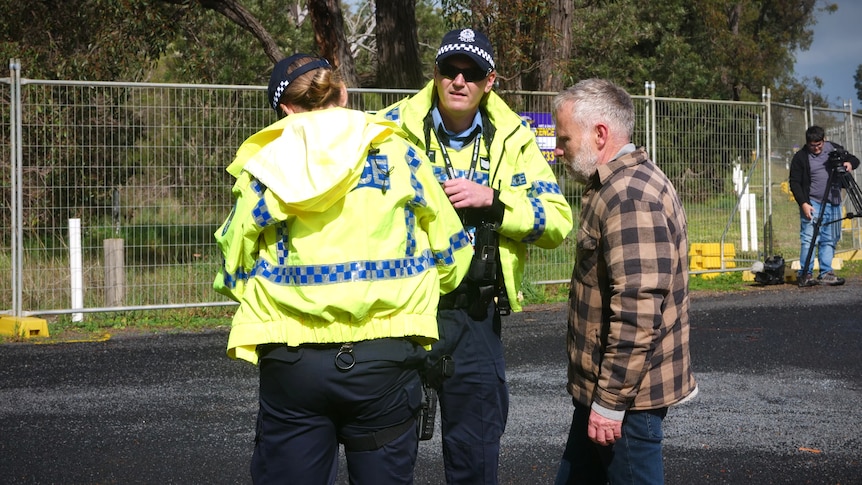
490,166
337,249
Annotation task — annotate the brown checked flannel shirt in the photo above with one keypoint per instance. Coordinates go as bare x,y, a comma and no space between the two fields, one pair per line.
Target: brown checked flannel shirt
628,317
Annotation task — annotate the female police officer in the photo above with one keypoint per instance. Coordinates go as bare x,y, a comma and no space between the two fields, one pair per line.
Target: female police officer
337,249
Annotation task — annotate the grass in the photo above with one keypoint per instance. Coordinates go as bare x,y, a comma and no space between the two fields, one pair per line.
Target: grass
100,326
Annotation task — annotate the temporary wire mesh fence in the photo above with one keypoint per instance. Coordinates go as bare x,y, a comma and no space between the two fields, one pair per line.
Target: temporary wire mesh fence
144,164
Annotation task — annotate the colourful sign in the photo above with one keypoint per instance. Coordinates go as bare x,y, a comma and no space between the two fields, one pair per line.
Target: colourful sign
542,125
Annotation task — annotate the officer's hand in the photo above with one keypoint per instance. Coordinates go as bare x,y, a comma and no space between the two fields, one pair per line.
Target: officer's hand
465,193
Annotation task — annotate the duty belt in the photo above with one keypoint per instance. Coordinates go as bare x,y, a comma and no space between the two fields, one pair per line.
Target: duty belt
453,300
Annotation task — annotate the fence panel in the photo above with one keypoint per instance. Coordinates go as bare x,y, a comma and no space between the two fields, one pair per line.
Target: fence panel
840,128
713,153
139,163
788,136
6,233
144,164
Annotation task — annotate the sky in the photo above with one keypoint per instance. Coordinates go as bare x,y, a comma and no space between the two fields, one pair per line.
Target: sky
835,53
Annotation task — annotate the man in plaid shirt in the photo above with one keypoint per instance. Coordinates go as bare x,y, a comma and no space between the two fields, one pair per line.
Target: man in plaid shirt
628,318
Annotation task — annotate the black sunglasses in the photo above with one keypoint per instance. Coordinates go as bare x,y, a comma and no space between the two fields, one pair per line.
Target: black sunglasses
471,74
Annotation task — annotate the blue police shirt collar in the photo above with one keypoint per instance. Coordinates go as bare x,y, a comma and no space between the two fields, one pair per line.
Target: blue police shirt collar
452,139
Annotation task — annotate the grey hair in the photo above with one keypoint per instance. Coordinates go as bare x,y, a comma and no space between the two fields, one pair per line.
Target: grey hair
599,101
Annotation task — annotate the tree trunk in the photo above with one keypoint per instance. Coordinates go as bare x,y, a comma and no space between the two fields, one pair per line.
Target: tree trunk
328,23
398,62
554,55
734,17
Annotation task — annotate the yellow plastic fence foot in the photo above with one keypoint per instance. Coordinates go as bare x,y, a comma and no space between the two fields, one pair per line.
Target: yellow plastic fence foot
23,326
706,256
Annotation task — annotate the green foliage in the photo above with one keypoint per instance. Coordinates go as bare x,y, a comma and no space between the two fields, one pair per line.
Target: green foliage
721,282
87,39
432,28
76,129
541,294
456,15
700,49
212,49
167,321
696,49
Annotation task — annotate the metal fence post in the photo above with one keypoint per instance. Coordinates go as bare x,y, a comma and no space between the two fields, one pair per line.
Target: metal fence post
17,169
852,145
767,182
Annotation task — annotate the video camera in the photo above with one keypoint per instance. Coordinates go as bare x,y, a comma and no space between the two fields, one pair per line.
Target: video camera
836,160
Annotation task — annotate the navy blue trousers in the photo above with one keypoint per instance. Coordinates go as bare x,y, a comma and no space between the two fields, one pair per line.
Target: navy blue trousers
474,402
308,406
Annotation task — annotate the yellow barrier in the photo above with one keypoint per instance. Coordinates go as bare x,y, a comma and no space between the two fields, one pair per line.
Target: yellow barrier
23,327
706,256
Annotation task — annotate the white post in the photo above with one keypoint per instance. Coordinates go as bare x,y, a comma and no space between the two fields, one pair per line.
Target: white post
743,220
752,208
76,268
737,179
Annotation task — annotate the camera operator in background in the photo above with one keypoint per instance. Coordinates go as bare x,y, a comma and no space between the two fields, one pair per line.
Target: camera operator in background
809,175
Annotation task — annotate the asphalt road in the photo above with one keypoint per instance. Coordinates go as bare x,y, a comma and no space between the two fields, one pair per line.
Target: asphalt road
780,401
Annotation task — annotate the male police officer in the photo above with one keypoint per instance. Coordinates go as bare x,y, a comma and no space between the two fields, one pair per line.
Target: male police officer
491,168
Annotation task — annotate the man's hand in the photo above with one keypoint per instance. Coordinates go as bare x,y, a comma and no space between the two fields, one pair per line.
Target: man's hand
465,193
807,210
603,431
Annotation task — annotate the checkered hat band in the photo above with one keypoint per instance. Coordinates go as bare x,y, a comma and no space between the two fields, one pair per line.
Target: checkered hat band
467,48
299,71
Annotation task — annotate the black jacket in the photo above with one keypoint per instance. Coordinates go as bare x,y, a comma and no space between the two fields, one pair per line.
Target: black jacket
800,173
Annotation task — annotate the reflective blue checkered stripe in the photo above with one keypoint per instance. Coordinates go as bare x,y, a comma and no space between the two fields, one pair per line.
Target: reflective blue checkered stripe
456,242
410,220
231,279
544,187
282,244
413,161
540,217
393,114
412,158
479,177
539,221
418,200
353,271
260,212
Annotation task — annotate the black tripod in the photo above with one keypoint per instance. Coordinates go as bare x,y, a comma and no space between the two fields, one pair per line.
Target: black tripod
838,175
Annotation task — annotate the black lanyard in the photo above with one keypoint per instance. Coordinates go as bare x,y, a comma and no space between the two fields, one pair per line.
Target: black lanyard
450,170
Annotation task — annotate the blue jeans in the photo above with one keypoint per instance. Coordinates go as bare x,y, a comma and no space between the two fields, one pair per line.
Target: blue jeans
827,239
635,458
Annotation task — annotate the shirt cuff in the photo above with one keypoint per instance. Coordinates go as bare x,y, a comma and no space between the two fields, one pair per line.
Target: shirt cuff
608,413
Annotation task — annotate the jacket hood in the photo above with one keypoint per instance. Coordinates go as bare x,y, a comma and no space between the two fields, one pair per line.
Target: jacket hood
318,157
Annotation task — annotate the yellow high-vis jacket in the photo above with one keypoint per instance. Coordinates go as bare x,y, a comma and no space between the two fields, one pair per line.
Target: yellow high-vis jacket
536,211
339,233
